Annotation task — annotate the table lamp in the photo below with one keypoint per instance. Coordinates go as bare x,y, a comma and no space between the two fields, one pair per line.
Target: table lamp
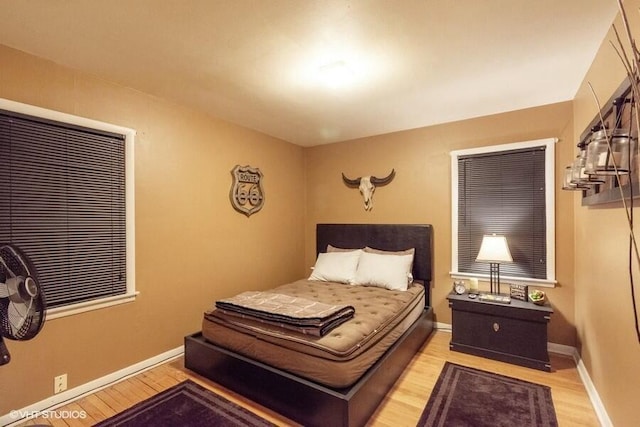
494,250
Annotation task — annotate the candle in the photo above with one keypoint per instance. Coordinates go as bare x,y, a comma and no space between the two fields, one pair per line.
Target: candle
473,285
603,158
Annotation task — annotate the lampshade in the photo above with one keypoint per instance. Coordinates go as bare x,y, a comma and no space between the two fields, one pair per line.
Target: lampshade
494,249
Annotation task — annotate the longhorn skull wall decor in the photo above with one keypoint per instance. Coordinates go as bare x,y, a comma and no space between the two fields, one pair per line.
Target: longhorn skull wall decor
367,185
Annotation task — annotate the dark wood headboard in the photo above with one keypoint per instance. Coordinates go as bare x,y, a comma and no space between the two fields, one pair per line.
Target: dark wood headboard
389,237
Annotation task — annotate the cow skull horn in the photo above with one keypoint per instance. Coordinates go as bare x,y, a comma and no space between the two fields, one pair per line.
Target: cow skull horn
383,181
351,182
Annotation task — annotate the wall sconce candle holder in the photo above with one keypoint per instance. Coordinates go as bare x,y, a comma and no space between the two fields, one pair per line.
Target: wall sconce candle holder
569,184
606,165
579,175
609,153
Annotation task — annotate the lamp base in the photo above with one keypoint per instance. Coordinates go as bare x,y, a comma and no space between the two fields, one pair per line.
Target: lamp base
494,277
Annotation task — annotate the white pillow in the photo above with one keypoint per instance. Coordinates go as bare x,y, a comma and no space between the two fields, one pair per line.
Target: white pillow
385,271
331,248
336,266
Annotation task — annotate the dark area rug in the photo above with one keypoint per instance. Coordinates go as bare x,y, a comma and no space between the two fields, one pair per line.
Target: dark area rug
470,397
186,404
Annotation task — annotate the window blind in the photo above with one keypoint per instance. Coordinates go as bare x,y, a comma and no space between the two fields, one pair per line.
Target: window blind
62,202
503,193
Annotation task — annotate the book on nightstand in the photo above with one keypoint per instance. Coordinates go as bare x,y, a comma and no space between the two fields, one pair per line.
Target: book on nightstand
502,299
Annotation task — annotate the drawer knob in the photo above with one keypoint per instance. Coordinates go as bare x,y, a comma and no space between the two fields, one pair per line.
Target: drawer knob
496,327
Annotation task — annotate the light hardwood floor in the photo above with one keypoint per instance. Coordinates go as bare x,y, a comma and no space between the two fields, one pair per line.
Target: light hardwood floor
402,406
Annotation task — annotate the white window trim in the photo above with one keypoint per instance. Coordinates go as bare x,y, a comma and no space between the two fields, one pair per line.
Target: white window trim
550,184
129,135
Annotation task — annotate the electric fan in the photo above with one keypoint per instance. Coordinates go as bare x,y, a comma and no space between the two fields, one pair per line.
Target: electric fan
22,305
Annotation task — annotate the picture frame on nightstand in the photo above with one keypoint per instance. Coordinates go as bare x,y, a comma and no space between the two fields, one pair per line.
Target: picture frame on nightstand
519,292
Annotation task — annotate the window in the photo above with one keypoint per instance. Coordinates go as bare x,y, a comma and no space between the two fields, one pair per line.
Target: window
505,189
65,200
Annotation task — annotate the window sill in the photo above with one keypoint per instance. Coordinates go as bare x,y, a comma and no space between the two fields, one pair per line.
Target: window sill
543,283
83,307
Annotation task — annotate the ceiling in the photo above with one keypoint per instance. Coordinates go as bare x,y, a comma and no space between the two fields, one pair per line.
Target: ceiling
263,63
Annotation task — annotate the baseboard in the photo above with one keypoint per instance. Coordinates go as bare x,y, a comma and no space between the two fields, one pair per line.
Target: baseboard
594,397
55,401
567,350
598,406
444,327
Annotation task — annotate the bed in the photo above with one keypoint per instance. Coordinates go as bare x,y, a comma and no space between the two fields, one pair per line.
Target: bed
251,366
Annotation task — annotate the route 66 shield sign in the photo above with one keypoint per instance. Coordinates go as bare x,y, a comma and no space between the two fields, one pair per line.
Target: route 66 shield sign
246,194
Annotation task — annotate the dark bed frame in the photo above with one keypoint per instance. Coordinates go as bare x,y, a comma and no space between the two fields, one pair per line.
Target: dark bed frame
307,402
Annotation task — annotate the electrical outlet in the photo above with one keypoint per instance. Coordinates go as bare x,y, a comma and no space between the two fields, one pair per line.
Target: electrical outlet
60,383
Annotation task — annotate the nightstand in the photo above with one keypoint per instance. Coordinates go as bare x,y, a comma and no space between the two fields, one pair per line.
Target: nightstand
514,333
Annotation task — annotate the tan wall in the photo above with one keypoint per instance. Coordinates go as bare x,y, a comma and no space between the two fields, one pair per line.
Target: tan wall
604,316
191,246
421,190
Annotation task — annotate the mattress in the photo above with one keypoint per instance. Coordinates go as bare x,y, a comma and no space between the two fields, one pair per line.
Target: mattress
338,358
